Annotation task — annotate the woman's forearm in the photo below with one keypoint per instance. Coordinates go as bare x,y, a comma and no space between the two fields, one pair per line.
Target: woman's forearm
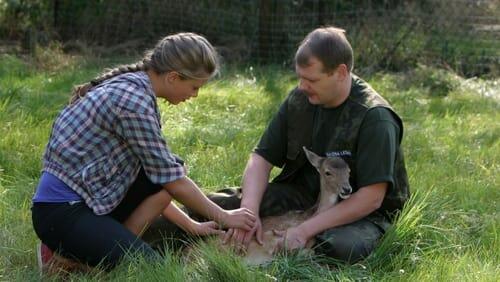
174,214
187,192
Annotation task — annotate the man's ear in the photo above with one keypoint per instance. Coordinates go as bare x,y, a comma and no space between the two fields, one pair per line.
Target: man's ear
342,71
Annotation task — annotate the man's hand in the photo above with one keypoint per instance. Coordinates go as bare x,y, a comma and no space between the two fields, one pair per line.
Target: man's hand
240,238
291,239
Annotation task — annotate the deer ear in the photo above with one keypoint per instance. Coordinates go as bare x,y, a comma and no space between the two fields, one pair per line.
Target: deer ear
314,159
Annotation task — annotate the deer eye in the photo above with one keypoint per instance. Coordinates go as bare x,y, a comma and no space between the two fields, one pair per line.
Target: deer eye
327,173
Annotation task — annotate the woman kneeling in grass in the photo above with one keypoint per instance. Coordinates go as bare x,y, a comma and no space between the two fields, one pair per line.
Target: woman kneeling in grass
107,170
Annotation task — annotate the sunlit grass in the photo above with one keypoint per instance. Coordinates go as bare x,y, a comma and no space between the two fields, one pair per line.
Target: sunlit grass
448,231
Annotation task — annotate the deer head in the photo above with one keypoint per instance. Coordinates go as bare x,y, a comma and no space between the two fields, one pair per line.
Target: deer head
334,179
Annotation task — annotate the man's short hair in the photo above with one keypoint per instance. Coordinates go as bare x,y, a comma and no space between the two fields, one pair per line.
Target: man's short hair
329,45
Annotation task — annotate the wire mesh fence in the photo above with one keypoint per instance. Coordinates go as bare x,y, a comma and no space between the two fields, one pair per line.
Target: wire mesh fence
386,34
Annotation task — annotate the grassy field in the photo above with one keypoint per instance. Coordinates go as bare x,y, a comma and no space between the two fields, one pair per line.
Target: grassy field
449,231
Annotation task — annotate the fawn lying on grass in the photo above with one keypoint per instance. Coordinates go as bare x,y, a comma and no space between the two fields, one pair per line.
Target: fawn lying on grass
334,183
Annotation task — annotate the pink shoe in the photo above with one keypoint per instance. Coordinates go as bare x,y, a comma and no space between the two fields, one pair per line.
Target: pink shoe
51,263
44,255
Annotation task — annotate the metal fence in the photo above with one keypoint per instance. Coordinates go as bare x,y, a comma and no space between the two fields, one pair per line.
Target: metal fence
385,34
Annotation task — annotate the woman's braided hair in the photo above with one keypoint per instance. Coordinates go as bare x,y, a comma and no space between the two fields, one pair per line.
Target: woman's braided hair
189,54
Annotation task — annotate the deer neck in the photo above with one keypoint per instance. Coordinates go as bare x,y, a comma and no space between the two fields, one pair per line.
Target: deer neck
327,199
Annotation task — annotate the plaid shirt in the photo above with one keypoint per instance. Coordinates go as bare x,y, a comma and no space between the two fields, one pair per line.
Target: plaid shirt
98,144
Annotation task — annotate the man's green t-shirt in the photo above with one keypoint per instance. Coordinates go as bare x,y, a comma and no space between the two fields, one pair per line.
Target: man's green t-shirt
375,154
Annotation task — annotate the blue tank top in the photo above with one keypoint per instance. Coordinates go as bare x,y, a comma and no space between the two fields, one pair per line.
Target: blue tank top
52,190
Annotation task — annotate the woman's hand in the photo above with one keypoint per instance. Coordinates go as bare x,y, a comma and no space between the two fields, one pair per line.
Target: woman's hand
240,239
204,228
238,236
242,218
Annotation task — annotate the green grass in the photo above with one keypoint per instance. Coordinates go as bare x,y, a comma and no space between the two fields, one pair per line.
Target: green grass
449,230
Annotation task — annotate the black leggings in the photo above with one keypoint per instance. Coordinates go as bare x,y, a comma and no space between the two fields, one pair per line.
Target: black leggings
74,231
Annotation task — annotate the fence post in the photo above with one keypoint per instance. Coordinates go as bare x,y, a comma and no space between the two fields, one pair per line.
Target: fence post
29,40
265,13
321,13
56,14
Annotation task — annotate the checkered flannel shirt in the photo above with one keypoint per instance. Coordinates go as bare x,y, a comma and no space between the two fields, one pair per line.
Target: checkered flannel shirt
98,144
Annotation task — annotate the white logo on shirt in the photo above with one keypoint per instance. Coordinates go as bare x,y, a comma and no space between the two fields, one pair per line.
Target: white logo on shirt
343,153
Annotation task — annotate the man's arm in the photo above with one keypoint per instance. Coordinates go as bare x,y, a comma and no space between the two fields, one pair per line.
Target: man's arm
365,201
362,203
255,180
271,151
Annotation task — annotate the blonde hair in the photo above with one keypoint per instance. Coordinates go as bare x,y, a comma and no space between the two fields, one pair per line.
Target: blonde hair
329,45
189,54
